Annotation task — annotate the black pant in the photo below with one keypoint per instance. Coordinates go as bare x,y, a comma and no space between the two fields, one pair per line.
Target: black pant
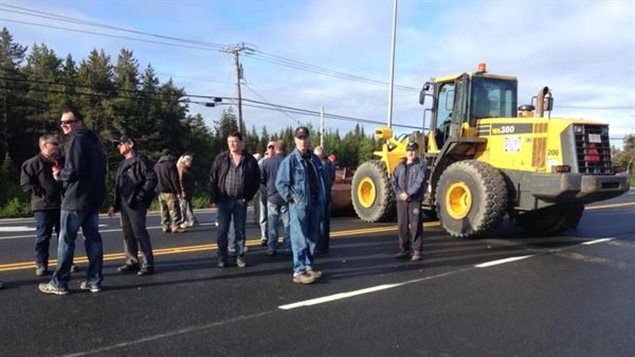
410,225
135,235
324,236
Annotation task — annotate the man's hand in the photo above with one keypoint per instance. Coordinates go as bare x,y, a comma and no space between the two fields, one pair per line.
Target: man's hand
111,211
403,196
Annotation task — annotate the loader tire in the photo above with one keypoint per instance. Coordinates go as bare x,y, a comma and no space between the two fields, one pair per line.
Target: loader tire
471,199
552,220
373,198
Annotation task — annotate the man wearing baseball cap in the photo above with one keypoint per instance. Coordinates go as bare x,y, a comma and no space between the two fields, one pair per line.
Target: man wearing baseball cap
408,185
300,182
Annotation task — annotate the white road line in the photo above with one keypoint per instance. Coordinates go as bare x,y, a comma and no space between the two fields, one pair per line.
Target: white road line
102,231
602,240
502,261
338,296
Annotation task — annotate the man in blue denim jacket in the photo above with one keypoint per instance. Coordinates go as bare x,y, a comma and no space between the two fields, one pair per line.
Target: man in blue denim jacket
408,185
300,182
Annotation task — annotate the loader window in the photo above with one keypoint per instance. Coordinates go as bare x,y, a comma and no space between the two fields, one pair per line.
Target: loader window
493,98
444,112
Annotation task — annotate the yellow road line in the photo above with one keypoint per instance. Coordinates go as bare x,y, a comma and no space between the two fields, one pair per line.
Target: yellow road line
204,247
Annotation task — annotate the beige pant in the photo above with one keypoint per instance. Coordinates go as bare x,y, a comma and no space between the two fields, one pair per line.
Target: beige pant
170,212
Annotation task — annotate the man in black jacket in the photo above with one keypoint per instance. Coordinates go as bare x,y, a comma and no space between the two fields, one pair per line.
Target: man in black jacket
134,189
36,178
169,189
234,180
83,179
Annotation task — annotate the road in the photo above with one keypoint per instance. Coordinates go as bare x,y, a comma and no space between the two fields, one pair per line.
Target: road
508,295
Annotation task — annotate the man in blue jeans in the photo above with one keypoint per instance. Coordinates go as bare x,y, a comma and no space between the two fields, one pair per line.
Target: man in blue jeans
234,180
300,182
277,207
83,191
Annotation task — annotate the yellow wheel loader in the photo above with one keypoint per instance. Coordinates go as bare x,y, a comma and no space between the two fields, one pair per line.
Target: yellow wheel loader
488,159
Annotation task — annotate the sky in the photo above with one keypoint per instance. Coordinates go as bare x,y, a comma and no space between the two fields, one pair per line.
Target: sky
584,51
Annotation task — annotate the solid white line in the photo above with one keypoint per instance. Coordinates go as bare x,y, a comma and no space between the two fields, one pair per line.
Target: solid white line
602,240
502,261
339,296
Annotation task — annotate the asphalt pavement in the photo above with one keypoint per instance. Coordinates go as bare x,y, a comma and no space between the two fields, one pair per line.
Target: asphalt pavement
508,295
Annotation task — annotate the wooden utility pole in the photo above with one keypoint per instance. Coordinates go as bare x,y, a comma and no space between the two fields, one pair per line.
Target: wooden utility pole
235,50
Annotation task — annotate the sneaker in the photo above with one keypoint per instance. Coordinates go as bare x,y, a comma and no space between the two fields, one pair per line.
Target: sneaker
263,242
50,289
128,268
240,261
145,271
314,274
416,257
221,263
271,253
402,254
303,278
179,229
93,289
75,268
41,270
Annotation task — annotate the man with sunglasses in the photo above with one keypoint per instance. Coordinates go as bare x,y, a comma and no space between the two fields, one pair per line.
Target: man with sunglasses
36,178
134,188
83,191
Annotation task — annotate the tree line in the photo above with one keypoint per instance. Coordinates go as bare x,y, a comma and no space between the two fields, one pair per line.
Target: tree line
118,97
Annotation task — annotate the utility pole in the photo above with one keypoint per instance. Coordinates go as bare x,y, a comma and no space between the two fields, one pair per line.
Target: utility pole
392,62
322,126
236,50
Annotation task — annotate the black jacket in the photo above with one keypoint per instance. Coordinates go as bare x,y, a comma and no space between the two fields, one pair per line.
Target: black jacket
410,179
268,178
36,178
167,176
135,182
218,174
84,173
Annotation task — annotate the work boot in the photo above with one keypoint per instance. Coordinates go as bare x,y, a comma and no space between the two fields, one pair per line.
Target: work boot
416,256
403,254
303,278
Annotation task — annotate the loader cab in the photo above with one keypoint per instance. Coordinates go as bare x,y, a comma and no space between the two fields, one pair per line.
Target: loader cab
460,101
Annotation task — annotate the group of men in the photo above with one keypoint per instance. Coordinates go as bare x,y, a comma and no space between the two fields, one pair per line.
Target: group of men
67,193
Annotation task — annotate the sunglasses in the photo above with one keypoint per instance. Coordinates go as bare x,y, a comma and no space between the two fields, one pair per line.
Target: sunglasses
67,122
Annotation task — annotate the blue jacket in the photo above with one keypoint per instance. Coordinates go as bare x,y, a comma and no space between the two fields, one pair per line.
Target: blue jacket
292,180
416,179
84,173
268,174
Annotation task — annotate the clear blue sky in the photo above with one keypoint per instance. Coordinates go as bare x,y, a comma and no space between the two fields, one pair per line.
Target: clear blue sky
583,50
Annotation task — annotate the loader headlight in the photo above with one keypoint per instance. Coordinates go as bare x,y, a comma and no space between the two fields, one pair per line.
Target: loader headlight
578,129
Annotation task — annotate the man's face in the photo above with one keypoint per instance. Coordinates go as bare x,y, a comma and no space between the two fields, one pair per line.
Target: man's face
270,150
411,155
124,147
69,123
50,148
234,144
303,143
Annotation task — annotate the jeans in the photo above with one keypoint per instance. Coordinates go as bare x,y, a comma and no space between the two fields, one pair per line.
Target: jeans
262,220
70,222
186,211
274,213
135,235
45,221
228,209
304,224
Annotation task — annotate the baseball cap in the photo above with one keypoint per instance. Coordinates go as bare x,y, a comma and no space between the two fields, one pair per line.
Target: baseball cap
412,146
123,139
271,144
301,131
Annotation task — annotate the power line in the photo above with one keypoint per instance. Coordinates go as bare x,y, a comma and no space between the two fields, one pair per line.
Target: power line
262,98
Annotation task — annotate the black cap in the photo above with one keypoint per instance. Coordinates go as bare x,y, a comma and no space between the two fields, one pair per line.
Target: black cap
123,139
412,146
301,131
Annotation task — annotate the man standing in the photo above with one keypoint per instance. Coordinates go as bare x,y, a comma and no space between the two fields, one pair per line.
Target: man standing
82,178
168,187
324,237
277,207
407,183
134,189
300,182
36,177
234,180
261,198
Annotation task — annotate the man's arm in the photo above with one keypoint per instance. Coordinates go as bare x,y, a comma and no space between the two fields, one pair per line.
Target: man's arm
283,181
28,179
73,165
